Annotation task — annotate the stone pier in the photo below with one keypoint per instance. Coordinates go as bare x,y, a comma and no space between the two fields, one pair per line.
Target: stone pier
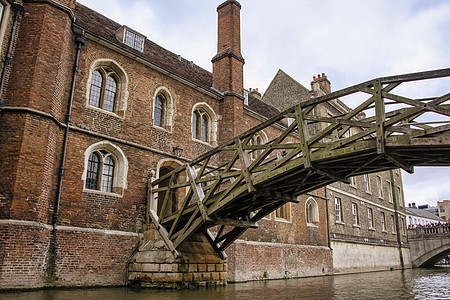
197,264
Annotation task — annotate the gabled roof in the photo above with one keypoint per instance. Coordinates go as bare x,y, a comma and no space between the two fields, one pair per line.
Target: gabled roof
285,92
105,28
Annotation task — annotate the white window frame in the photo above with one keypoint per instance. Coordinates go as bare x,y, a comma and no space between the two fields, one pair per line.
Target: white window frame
389,191
379,187
338,209
366,180
370,217
355,214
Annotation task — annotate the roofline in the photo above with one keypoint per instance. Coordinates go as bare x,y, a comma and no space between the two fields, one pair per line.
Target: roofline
124,51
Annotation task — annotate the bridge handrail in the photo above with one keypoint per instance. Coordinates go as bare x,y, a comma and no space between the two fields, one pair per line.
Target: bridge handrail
429,230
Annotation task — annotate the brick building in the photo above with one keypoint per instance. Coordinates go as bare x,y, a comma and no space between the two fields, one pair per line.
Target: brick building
90,110
367,217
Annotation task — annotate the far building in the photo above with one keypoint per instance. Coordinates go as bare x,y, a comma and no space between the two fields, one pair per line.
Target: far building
444,209
420,217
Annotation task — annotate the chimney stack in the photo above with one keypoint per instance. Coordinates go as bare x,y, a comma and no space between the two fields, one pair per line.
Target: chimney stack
320,85
228,70
228,64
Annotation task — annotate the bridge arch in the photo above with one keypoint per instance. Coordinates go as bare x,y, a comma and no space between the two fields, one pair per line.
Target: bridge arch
174,199
429,245
432,257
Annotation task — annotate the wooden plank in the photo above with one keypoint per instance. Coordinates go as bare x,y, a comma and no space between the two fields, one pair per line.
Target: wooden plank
245,163
199,196
380,117
163,233
235,223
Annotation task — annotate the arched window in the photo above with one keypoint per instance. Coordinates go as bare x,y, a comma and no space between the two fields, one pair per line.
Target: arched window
204,123
200,124
259,138
159,111
106,168
312,212
163,108
92,171
100,171
103,89
108,86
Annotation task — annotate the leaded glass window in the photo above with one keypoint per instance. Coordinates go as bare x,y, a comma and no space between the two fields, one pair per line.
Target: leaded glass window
92,171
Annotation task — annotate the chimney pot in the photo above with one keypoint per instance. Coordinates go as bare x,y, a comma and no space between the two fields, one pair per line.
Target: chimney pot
256,89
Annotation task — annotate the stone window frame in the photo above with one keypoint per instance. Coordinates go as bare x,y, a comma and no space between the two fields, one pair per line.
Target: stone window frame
311,216
283,213
120,169
168,108
212,126
111,68
254,141
4,19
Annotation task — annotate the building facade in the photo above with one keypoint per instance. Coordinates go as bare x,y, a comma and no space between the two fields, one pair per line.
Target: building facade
444,209
91,110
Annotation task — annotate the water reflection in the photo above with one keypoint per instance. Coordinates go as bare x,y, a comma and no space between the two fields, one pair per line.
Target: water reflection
409,284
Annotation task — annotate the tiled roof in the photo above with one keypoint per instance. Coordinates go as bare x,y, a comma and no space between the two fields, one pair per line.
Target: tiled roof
261,108
105,28
101,26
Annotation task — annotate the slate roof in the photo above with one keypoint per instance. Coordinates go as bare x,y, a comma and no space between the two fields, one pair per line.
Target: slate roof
99,25
423,213
105,28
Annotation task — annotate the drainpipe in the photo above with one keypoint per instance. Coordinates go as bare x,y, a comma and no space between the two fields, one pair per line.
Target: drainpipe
397,225
328,218
80,41
18,9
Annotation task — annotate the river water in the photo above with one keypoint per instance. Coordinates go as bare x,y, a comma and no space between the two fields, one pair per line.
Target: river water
408,284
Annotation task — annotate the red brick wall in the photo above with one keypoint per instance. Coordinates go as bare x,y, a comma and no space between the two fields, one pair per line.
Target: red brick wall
23,251
83,257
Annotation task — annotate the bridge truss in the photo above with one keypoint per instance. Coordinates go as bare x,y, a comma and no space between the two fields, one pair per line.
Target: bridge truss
385,131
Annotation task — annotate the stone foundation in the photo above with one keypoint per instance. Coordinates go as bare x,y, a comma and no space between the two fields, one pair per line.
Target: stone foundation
355,258
197,265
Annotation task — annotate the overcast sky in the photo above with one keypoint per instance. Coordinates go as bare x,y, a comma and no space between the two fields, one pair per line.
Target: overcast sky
351,41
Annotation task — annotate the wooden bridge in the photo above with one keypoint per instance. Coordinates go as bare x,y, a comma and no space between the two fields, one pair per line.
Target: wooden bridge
385,131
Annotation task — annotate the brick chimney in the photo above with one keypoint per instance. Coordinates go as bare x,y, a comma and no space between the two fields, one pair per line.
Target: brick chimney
228,69
320,85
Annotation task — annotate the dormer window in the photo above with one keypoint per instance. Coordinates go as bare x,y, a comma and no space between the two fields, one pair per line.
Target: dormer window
131,38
